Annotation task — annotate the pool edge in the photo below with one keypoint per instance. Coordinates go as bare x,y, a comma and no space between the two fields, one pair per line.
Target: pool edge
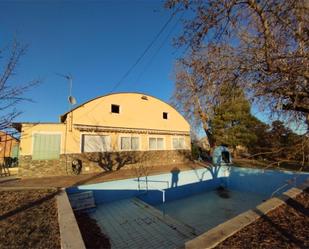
215,236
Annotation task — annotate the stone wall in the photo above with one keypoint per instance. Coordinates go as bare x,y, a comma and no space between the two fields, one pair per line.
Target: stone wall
100,162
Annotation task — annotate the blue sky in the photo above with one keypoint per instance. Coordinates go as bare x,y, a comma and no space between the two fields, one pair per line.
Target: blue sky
96,42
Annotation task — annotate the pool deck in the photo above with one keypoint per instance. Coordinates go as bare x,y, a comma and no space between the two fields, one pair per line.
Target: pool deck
131,223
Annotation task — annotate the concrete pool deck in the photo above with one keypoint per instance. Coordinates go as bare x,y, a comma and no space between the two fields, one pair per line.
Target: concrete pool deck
131,223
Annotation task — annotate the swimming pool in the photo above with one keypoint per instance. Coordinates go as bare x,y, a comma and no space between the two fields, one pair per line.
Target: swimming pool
180,184
166,210
207,210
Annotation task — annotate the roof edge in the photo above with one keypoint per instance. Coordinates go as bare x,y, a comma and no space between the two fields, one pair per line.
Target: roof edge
63,116
18,125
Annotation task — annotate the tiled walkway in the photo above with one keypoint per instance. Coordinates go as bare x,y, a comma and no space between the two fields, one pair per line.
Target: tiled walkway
132,223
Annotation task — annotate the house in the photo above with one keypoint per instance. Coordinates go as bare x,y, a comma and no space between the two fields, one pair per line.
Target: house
106,133
8,148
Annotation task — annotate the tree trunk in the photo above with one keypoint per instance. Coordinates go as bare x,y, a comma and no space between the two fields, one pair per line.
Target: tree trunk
210,138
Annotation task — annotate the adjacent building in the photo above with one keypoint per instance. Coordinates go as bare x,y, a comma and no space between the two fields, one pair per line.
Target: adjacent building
8,149
106,133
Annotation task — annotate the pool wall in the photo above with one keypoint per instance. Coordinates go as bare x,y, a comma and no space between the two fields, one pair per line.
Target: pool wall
264,182
180,184
175,186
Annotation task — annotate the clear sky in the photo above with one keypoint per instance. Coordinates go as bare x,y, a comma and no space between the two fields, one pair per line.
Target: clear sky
96,42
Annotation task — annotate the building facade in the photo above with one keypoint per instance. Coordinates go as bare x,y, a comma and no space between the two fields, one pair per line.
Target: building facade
107,133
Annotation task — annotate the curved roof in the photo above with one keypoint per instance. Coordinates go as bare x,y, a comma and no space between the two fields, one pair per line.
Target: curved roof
63,116
135,111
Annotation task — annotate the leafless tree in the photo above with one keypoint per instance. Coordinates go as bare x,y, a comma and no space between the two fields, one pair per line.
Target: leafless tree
199,78
269,38
11,92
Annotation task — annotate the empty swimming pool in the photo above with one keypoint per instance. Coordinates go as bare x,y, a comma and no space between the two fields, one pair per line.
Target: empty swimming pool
207,210
169,209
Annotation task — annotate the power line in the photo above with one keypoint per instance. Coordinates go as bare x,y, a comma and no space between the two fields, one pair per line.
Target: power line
144,52
160,47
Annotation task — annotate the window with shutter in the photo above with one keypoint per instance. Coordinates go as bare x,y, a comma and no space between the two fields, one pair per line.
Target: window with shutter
156,143
46,146
179,143
96,143
129,143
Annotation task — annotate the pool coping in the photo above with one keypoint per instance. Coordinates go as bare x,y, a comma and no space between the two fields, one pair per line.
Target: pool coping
70,235
215,236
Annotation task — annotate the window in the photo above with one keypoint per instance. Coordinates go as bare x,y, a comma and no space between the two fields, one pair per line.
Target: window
115,108
178,143
46,146
165,115
156,143
95,143
129,143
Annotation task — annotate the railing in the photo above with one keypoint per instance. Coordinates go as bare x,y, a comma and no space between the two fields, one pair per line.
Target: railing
155,181
158,189
288,182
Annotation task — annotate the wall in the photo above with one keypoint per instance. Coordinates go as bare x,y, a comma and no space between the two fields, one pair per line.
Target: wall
177,184
99,162
7,144
189,182
93,162
134,113
26,138
71,143
264,182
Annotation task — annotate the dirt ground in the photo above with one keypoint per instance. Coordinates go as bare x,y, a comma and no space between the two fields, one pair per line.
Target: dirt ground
91,232
285,227
29,219
67,181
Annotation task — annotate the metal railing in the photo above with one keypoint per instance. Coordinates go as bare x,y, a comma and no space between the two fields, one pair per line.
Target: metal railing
288,182
157,189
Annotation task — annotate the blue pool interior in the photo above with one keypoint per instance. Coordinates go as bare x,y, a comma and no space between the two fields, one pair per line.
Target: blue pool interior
207,210
191,196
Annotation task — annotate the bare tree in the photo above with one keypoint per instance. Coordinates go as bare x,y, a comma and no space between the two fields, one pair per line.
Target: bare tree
199,79
269,38
11,92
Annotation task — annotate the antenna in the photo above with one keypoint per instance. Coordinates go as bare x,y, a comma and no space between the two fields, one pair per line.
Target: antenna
72,100
69,78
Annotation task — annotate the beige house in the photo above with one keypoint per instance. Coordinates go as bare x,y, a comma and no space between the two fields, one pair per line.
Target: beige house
106,133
